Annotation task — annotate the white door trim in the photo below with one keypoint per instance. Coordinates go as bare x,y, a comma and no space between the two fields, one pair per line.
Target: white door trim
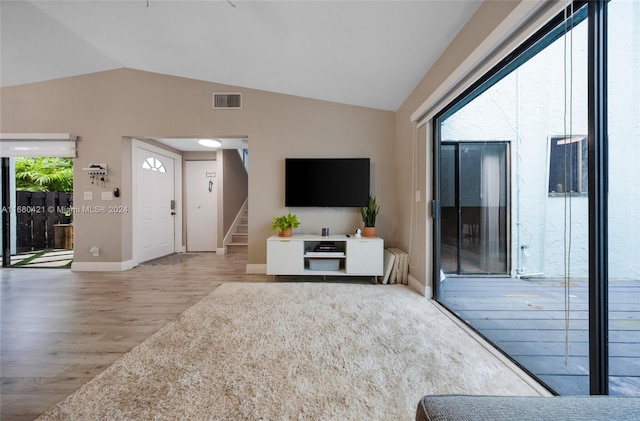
137,145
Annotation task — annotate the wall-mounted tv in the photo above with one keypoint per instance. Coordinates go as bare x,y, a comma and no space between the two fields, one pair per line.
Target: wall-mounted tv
327,182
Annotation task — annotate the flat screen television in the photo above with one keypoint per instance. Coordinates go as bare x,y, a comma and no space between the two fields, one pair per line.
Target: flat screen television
327,182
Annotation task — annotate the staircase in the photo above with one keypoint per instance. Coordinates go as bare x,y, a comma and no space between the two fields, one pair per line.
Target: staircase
240,234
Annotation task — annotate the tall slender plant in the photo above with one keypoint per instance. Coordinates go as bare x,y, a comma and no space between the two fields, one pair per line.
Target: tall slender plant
370,212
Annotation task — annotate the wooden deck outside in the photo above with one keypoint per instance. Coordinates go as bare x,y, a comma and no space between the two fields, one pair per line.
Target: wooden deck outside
526,319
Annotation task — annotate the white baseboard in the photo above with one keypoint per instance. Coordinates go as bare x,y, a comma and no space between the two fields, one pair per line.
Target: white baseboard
221,251
420,287
102,266
256,269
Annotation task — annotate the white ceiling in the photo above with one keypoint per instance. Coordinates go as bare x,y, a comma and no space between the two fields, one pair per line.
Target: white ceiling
366,53
190,144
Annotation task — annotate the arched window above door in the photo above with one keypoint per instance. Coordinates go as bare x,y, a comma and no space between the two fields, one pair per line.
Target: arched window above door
154,164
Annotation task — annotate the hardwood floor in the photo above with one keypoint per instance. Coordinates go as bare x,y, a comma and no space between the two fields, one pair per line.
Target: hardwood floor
59,329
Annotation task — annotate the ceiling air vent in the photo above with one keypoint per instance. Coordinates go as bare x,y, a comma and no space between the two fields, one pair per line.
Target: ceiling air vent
227,100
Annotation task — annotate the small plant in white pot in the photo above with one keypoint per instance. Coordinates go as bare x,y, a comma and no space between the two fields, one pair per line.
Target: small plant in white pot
285,224
369,214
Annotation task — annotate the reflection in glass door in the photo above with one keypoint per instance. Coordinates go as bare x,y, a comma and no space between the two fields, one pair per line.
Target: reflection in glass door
623,211
474,206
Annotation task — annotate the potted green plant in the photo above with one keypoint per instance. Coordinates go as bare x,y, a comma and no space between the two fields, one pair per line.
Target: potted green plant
285,224
369,214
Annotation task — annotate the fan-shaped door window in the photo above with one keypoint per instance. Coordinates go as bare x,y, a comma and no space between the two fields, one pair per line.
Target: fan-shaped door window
154,164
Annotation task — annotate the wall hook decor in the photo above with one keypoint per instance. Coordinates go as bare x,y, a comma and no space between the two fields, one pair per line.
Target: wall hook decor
210,175
96,169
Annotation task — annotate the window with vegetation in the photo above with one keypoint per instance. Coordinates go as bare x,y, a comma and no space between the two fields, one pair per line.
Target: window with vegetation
44,174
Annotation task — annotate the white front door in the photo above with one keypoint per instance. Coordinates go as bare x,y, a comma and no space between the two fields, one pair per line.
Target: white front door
201,205
155,204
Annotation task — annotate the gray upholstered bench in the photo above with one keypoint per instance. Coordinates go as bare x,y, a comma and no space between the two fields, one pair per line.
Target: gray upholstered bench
525,408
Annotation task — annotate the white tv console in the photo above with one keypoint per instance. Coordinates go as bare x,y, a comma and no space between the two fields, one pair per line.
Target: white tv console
296,256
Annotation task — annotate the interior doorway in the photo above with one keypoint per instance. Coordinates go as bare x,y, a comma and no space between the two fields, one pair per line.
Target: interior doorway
474,197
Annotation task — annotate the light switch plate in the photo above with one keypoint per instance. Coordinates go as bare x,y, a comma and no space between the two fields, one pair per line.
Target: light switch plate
107,195
88,195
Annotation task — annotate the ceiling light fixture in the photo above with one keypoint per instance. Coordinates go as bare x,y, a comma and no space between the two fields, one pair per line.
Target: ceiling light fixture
210,143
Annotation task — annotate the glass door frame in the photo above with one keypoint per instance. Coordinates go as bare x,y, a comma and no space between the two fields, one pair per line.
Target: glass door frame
598,173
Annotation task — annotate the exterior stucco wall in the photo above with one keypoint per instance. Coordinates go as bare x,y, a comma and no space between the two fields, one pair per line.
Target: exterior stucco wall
526,108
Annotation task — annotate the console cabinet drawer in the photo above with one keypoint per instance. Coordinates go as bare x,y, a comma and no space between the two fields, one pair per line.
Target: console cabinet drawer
285,257
365,257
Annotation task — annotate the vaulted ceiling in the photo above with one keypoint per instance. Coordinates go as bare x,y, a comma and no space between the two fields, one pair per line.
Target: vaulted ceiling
367,53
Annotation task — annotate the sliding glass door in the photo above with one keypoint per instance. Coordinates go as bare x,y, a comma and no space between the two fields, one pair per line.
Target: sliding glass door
474,199
566,102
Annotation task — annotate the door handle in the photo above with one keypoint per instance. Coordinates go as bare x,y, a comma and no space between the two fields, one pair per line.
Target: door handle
173,213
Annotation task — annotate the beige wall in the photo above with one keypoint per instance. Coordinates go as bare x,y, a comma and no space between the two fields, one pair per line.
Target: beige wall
488,16
102,108
106,109
299,127
236,187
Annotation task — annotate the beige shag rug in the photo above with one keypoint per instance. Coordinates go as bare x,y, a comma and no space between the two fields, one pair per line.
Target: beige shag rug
305,351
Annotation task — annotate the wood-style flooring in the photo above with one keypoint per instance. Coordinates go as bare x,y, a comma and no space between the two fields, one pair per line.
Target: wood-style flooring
59,329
